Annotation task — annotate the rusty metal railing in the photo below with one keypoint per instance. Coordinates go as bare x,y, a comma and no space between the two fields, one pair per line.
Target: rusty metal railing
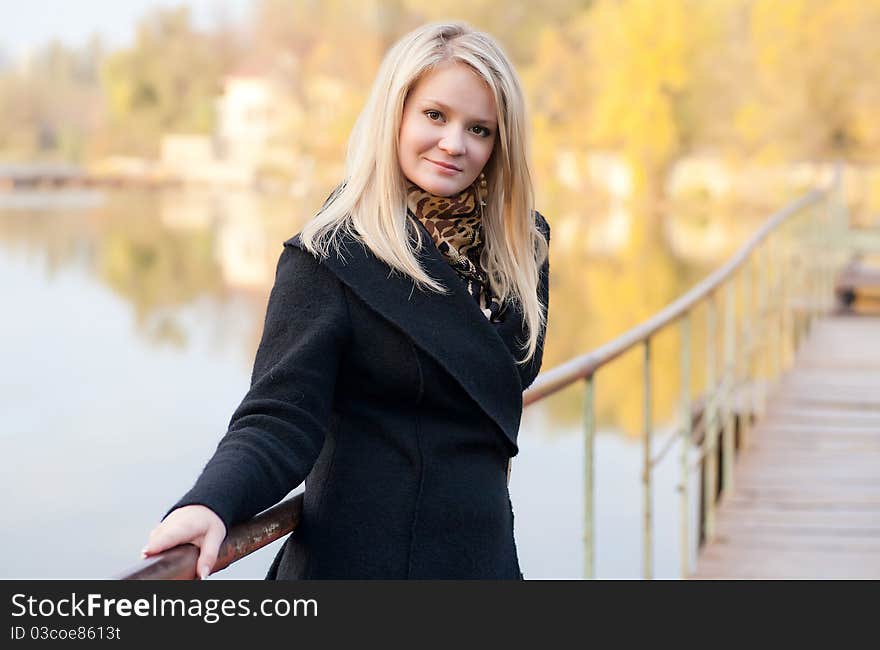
785,279
179,563
784,273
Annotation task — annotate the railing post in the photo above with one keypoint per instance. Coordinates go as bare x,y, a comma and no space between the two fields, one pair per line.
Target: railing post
773,302
797,284
764,329
748,332
647,538
833,233
710,461
823,235
728,384
782,297
814,260
838,223
831,262
806,290
687,430
589,431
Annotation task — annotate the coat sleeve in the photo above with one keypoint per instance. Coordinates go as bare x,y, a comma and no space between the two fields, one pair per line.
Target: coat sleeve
276,433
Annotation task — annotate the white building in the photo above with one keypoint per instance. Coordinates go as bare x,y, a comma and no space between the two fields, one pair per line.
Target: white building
251,112
249,115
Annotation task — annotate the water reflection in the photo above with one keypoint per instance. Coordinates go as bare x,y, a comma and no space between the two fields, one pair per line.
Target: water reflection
133,322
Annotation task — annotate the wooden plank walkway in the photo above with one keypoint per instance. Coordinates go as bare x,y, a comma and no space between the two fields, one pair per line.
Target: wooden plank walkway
806,499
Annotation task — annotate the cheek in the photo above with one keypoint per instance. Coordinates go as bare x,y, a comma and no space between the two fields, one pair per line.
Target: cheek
412,139
408,147
485,152
403,138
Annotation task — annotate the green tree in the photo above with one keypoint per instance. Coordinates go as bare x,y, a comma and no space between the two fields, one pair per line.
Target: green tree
168,81
51,103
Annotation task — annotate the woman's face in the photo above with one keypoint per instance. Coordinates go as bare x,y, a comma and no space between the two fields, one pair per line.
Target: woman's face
448,129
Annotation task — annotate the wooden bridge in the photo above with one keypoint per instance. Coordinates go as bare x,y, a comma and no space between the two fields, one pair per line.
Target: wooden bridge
807,497
44,177
783,433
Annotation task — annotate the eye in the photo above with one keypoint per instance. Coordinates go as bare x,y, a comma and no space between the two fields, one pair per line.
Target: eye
482,131
433,115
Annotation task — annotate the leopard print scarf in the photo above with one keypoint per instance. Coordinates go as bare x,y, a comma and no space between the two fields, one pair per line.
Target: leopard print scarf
455,224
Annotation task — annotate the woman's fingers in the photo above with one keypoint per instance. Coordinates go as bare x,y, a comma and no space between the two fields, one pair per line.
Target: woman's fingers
179,527
196,525
166,536
210,547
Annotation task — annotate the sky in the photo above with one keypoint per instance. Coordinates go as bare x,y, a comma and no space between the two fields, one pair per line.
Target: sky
25,25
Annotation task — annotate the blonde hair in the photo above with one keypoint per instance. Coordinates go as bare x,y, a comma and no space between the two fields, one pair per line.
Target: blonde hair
370,205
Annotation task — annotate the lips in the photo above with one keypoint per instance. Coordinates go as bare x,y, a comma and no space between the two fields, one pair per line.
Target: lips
444,165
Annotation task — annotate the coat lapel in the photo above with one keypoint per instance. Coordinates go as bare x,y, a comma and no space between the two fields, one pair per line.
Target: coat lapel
451,328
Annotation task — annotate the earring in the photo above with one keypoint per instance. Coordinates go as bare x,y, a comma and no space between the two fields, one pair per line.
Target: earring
482,189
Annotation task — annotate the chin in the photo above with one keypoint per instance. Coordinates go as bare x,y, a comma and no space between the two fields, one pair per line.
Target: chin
438,187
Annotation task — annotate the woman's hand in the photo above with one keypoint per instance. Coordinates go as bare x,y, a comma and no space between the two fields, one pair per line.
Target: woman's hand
197,525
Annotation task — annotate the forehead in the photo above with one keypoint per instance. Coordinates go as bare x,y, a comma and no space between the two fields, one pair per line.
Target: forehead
459,88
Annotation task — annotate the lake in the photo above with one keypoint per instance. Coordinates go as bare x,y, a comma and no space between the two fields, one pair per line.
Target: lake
129,329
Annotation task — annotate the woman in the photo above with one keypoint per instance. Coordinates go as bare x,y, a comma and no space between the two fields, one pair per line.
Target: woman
405,321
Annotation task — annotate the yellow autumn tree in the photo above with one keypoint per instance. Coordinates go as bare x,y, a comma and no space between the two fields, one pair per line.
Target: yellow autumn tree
815,90
642,59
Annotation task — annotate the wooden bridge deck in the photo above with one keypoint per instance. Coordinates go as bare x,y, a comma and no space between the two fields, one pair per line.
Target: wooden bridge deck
806,500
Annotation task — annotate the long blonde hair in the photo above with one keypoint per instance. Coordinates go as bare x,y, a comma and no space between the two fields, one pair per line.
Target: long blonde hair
370,205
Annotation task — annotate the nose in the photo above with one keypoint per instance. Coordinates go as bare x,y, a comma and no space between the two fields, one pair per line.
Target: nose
452,142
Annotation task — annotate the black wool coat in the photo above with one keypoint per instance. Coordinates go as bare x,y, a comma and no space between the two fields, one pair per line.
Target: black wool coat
399,408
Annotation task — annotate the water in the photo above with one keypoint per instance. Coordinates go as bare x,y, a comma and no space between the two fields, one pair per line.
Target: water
127,338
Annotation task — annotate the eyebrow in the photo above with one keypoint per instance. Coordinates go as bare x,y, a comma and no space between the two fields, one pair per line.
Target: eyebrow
429,100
